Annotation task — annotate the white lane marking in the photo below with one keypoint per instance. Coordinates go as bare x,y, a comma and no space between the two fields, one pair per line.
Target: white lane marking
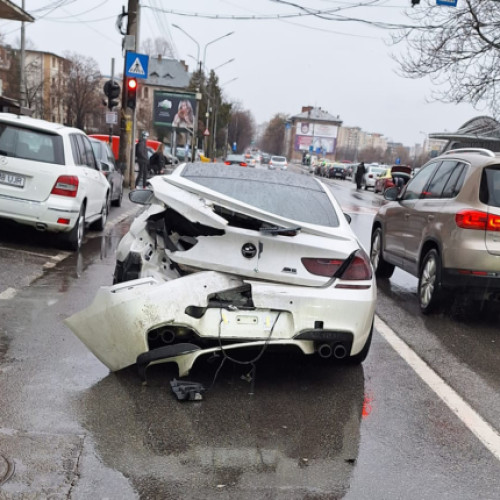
472,420
8,294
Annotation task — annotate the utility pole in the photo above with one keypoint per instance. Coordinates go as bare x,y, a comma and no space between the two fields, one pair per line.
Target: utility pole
126,158
22,77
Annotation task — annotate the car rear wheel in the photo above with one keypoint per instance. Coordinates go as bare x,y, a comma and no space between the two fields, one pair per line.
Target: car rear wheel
118,201
430,292
73,239
381,267
101,223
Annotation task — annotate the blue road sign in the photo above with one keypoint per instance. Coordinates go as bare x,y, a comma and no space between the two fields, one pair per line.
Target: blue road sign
136,65
398,161
449,3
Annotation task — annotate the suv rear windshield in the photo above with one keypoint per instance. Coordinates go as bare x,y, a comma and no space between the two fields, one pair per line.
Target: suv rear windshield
31,144
489,192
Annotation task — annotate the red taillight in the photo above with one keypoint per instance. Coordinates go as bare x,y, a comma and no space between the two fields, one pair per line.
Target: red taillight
66,185
227,162
243,164
322,267
474,219
358,269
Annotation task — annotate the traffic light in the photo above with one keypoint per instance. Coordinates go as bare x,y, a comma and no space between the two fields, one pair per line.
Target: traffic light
131,92
112,91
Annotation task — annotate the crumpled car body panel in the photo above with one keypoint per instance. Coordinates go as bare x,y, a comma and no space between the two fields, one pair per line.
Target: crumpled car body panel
116,325
199,267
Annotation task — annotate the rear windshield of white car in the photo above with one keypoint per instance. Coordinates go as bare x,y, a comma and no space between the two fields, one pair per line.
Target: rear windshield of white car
294,196
30,144
278,158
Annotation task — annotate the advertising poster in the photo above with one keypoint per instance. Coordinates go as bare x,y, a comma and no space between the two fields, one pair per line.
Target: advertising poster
322,137
174,109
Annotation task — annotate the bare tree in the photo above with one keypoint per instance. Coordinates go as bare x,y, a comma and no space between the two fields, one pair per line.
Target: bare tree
83,93
241,128
273,138
158,47
458,48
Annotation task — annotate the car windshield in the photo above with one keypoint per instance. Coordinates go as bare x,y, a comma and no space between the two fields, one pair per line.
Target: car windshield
31,144
288,195
278,158
235,158
492,182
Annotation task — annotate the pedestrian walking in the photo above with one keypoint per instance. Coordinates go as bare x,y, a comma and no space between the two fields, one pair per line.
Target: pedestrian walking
158,161
360,172
141,157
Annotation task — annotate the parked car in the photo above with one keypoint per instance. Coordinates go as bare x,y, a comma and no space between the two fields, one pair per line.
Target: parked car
115,143
225,258
264,159
236,160
278,162
106,163
385,180
443,228
49,178
372,172
337,171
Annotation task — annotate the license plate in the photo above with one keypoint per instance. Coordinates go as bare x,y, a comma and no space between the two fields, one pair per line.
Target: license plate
11,179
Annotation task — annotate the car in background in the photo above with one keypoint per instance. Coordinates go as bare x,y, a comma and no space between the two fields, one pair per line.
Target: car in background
385,180
277,162
264,159
50,179
250,160
115,143
337,171
444,229
371,174
106,162
227,258
236,160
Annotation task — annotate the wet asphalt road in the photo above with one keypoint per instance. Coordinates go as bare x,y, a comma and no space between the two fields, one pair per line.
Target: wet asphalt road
71,429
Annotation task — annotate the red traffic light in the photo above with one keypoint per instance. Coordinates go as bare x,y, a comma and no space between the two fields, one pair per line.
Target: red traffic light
132,83
131,93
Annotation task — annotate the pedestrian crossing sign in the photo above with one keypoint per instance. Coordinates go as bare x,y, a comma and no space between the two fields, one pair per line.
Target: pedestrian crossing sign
136,65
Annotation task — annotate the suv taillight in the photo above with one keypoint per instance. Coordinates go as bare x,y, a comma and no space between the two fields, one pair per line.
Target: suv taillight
475,219
359,268
66,185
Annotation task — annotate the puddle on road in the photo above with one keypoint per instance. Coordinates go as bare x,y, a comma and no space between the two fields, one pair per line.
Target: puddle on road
299,431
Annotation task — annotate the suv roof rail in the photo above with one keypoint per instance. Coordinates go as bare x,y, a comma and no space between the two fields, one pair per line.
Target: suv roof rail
481,151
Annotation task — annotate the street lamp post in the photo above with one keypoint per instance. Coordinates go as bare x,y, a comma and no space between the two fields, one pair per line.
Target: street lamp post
189,36
210,43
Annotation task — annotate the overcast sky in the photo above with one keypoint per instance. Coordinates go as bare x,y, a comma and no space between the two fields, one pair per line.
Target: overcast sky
280,65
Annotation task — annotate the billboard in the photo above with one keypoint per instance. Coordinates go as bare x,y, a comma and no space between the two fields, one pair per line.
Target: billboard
176,110
321,137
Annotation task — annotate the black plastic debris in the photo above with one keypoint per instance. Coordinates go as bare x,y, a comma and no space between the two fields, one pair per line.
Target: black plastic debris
186,390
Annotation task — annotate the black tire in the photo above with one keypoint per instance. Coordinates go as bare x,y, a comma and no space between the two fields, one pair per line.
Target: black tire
73,239
430,292
118,201
361,356
382,268
100,224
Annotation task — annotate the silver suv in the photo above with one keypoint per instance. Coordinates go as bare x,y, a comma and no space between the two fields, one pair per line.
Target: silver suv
444,228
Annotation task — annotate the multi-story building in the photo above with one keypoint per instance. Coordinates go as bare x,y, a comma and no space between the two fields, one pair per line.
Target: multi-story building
313,130
46,77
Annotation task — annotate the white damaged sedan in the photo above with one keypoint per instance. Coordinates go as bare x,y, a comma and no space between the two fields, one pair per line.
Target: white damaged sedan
225,258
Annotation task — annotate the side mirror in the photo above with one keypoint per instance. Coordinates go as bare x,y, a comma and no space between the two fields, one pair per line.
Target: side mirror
141,196
104,166
391,194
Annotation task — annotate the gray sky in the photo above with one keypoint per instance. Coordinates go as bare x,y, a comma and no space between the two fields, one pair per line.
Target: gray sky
280,65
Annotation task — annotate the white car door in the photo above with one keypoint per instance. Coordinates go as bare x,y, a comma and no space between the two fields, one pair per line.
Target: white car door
96,184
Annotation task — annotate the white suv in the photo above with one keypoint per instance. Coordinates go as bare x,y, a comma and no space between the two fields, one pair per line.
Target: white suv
49,178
